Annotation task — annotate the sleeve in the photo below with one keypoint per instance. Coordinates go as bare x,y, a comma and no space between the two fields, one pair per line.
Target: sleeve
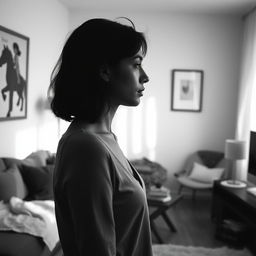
89,191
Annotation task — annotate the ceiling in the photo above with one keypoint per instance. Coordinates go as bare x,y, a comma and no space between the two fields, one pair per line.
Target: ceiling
231,7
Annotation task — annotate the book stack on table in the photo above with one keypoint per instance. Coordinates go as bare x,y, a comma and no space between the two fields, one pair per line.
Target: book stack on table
159,193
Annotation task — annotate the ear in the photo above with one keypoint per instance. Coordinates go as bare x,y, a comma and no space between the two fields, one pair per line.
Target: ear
105,73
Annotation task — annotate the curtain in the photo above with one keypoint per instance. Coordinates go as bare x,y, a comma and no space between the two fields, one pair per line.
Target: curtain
246,88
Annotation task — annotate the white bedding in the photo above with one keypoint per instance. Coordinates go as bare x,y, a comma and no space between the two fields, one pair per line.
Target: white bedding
33,217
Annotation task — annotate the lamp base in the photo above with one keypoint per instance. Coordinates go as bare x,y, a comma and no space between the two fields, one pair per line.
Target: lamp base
233,183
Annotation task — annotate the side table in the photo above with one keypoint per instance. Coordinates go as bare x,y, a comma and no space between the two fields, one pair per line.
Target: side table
160,210
234,204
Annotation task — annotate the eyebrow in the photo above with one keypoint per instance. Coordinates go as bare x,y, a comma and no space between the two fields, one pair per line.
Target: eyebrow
137,56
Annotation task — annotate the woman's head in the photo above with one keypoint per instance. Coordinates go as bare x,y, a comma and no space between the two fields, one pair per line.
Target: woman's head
16,49
79,88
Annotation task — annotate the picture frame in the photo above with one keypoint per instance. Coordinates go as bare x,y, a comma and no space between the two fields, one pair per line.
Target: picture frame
187,90
14,57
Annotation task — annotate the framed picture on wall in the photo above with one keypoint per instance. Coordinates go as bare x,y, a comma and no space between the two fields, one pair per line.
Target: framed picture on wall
187,90
14,52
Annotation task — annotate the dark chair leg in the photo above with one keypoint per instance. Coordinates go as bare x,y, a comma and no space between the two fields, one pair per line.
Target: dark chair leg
169,222
154,230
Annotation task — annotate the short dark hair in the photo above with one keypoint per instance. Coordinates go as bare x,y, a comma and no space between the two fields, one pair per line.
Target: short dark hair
77,87
16,46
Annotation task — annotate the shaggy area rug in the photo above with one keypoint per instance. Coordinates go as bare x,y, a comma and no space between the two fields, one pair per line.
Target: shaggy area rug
178,250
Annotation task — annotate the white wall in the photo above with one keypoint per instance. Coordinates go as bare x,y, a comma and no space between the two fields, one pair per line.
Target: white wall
46,24
208,42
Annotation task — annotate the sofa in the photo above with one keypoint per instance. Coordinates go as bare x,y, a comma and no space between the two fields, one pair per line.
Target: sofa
30,180
27,179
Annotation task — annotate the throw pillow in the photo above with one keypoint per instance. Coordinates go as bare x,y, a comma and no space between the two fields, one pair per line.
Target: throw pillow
210,158
204,174
51,159
37,158
12,184
39,181
10,161
2,165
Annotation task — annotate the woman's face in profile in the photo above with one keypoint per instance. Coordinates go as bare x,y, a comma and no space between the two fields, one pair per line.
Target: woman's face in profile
15,49
127,81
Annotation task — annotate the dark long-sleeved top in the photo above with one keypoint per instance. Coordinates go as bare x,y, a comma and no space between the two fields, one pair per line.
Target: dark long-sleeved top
100,200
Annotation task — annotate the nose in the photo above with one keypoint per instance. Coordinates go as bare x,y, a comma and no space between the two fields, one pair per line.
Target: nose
143,77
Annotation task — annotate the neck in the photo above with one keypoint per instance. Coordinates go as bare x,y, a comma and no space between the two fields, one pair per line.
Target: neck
103,124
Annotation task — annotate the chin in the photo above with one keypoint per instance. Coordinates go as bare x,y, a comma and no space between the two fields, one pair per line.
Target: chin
136,103
132,104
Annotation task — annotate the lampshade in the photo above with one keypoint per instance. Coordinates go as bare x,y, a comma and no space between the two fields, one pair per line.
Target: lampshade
235,149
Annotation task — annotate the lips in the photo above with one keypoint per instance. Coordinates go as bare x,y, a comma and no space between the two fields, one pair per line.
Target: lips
140,92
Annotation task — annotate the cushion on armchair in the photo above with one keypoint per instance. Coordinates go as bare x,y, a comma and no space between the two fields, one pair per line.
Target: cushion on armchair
204,174
204,157
210,158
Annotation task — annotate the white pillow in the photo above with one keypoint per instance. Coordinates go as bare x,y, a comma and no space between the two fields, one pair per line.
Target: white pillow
204,174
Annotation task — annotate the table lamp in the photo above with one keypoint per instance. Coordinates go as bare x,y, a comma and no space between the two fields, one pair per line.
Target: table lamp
235,150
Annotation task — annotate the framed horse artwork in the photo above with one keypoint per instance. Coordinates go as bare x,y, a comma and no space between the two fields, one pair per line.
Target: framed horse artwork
14,52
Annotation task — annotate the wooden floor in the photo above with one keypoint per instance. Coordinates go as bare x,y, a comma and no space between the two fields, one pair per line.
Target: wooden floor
192,219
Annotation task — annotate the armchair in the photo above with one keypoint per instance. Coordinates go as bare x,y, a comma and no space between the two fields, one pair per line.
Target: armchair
200,170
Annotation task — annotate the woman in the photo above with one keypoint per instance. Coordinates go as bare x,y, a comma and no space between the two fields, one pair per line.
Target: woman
17,53
101,207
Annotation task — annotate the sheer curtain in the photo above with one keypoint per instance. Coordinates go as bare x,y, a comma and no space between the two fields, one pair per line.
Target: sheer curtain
247,86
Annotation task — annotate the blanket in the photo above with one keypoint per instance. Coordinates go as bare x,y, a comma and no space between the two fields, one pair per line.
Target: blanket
32,217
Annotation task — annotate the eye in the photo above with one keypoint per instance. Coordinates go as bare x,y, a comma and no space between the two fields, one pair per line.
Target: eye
137,64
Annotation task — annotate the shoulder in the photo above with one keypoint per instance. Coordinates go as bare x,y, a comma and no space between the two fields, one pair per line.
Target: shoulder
83,142
83,158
